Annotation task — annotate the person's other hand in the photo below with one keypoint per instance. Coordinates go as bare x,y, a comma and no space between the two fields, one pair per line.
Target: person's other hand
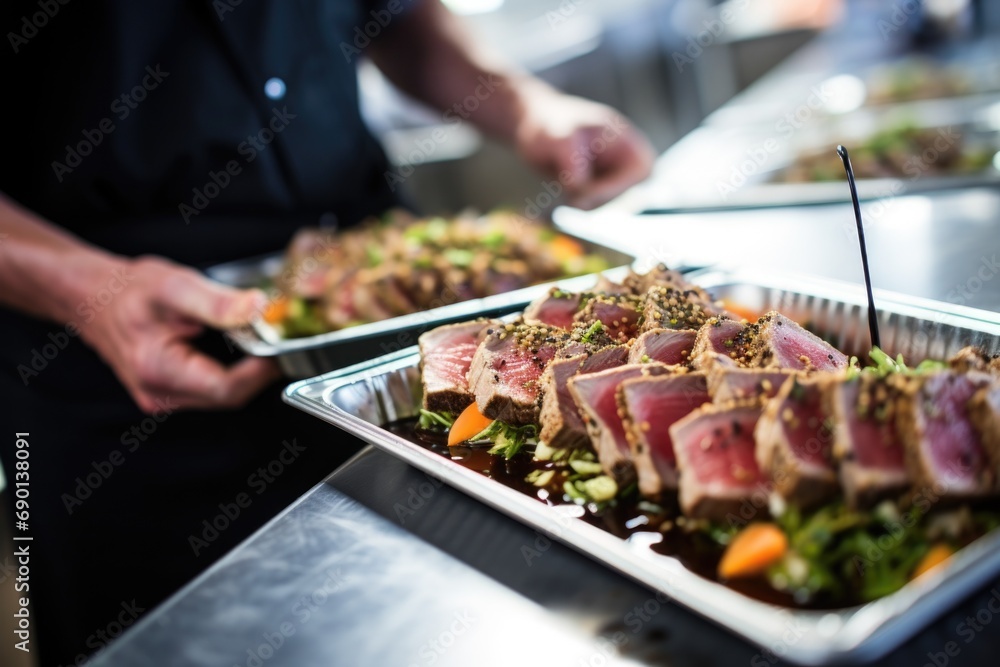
592,150
143,334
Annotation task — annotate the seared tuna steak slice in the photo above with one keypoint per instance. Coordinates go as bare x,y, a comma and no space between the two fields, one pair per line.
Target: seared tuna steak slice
562,425
507,366
944,450
728,383
715,458
781,343
446,354
606,286
866,445
619,313
672,348
722,341
595,398
651,406
669,308
556,309
661,276
794,444
984,409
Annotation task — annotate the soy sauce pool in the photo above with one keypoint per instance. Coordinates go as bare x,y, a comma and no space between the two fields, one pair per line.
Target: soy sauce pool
628,518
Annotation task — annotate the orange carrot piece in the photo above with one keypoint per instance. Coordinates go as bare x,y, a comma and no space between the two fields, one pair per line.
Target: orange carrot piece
276,310
740,310
469,424
565,248
937,554
753,550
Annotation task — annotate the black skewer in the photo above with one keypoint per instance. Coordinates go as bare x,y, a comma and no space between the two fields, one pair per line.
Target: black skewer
872,317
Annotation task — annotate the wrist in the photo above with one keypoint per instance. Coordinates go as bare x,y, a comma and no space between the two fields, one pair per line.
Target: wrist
84,281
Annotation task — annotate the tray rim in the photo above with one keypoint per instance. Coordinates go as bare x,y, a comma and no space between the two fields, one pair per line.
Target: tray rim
866,631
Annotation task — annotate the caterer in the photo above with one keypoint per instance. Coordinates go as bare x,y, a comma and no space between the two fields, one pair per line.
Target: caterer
146,140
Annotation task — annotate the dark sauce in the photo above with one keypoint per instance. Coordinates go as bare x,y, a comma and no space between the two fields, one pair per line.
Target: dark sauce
625,518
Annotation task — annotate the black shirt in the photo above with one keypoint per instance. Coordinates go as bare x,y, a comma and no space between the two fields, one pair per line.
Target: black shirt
202,130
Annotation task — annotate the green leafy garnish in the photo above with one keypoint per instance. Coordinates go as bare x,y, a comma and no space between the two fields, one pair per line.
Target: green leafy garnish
835,550
459,257
435,420
373,254
303,319
886,365
507,440
494,239
595,329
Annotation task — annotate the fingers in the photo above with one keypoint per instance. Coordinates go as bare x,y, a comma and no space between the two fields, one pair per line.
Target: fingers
192,380
195,297
614,171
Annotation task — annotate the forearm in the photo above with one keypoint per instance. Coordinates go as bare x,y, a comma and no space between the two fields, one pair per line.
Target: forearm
44,270
430,56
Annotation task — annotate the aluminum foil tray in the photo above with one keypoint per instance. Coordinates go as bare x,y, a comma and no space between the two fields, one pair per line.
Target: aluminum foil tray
363,398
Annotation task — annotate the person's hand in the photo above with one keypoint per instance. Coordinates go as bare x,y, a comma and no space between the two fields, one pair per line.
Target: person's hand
592,150
143,333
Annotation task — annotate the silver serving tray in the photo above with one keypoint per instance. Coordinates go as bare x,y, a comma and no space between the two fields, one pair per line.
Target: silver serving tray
313,355
731,147
364,397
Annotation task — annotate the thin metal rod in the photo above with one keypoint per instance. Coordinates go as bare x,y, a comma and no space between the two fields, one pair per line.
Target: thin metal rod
872,316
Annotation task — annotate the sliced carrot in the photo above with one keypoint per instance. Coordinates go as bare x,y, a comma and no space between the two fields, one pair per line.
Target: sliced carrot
565,248
740,310
276,310
468,425
936,555
753,550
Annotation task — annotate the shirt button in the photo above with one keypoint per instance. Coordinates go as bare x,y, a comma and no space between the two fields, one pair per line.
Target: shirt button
274,88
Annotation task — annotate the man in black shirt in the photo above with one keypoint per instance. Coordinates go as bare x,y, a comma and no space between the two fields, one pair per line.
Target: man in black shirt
149,137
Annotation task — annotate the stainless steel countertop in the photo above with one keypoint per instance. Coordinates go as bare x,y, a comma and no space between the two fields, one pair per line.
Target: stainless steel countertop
381,565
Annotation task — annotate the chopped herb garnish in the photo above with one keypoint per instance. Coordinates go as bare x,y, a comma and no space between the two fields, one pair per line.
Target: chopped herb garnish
435,420
595,329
